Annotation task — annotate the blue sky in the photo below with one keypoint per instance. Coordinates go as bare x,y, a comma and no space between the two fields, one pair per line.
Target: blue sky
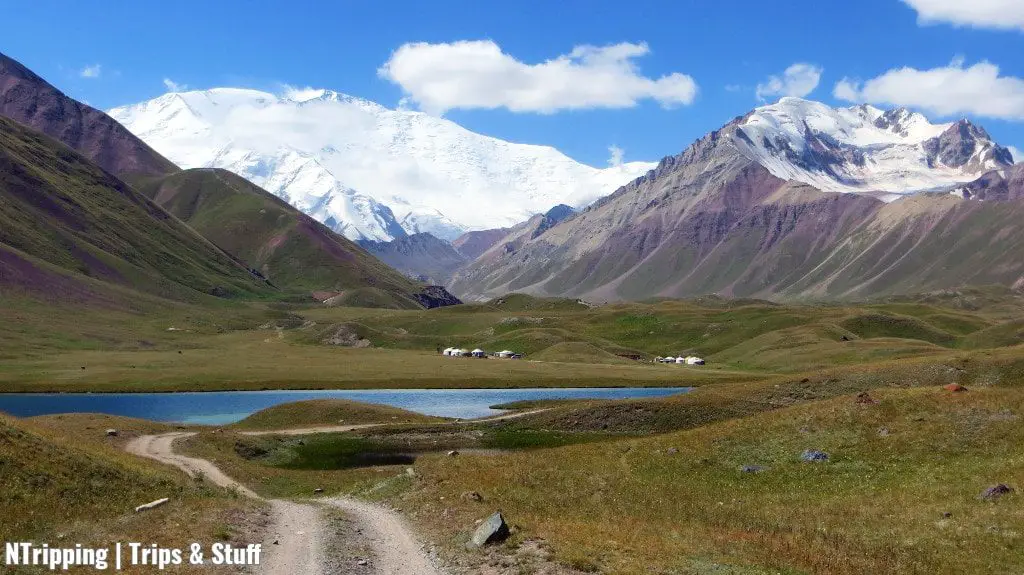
725,47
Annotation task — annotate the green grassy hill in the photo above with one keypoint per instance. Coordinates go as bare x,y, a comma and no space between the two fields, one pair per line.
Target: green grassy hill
62,477
57,207
289,248
316,412
749,336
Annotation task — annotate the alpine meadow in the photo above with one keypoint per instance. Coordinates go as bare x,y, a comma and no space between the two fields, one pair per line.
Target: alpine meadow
513,289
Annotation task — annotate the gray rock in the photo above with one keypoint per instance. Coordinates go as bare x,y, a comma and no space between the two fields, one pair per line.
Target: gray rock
956,147
753,468
995,492
814,455
452,453
112,433
491,530
671,451
318,490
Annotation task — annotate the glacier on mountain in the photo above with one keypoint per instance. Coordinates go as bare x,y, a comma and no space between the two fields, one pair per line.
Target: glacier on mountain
367,171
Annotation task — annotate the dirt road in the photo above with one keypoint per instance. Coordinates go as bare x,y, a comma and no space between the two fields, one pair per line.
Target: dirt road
297,534
160,448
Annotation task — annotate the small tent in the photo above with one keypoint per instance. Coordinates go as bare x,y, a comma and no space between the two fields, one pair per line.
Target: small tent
505,353
478,353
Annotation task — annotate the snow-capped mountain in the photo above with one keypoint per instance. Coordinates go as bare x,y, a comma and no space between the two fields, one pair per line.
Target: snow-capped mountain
367,171
750,210
866,150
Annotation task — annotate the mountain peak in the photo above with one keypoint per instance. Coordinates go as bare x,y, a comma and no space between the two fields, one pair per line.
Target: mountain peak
430,173
31,100
864,149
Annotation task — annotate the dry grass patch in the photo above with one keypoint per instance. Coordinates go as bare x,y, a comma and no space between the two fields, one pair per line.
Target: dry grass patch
678,500
59,485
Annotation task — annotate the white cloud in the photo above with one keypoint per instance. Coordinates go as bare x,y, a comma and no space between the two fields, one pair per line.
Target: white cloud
477,74
950,90
301,94
999,14
798,80
846,89
733,88
1018,156
91,71
615,155
173,86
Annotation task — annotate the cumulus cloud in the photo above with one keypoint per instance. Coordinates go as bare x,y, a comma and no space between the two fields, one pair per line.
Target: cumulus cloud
846,89
173,86
615,155
798,80
1018,156
91,71
998,14
301,94
477,74
950,90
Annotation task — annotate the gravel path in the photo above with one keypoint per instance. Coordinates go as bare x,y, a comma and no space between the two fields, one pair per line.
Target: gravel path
298,531
396,550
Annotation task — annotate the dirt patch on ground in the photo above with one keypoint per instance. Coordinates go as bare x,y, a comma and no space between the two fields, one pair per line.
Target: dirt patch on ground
347,551
346,336
530,556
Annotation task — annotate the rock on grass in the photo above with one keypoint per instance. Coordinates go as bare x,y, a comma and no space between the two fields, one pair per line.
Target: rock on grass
814,455
995,492
492,530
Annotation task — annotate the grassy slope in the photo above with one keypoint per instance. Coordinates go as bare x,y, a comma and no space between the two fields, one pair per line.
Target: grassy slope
876,507
80,313
329,412
744,335
63,476
58,207
289,248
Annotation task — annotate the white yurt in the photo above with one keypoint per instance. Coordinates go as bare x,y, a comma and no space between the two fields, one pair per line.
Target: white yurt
694,360
478,353
668,359
505,353
680,359
447,351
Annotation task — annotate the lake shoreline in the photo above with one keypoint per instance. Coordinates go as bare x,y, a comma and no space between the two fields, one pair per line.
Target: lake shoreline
227,407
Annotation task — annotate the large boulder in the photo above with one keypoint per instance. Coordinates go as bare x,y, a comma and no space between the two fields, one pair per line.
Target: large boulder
492,530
